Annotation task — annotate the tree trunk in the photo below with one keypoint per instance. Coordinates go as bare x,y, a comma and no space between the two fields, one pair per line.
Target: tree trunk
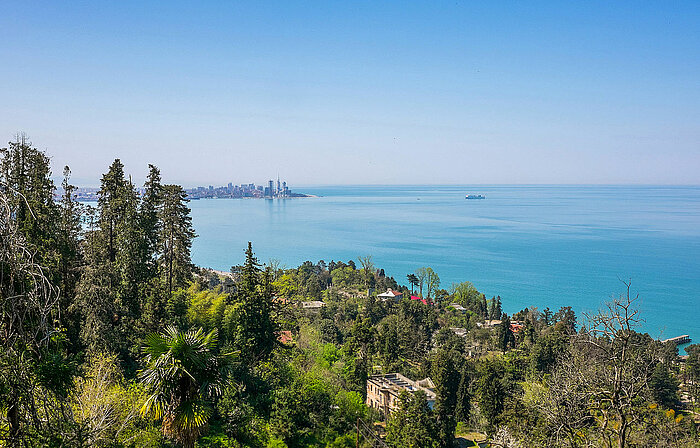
13,420
170,266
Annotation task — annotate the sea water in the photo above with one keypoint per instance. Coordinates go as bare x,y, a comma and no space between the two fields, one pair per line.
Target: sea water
542,246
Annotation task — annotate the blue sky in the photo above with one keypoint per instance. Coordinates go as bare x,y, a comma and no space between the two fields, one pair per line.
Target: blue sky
358,92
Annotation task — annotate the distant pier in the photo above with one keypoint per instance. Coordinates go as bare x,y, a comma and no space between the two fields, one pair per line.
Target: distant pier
678,340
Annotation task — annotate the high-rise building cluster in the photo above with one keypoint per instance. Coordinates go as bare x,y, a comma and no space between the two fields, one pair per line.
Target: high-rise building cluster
271,190
279,190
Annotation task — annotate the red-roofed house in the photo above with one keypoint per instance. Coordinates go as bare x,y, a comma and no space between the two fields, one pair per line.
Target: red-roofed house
424,301
514,327
285,337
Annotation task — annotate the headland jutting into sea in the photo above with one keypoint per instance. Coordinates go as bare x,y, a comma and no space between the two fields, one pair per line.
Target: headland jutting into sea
279,190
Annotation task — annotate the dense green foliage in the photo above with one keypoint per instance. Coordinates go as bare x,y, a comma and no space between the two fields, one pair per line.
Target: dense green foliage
183,376
112,338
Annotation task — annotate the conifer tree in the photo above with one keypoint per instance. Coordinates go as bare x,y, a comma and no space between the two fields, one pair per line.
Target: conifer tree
463,395
412,424
109,287
176,236
491,392
25,175
153,296
446,379
357,349
129,262
483,307
34,377
49,230
255,326
112,204
151,205
71,214
506,338
412,280
495,308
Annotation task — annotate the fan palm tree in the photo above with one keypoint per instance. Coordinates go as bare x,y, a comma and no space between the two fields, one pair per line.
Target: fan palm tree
183,375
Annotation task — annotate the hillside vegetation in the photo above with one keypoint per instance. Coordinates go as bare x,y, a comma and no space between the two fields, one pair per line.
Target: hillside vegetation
111,337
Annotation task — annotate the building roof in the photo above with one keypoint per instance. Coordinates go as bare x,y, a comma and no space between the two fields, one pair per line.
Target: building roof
458,307
313,304
489,323
281,300
396,382
516,327
462,332
424,301
390,293
285,336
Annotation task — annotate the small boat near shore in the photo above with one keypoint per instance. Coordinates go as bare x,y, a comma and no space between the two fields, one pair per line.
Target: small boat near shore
475,196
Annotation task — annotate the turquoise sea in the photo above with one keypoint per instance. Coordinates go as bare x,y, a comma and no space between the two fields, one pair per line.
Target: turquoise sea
544,246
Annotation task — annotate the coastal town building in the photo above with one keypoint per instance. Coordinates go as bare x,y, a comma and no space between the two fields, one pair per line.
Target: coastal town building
516,326
461,332
489,323
423,301
313,305
285,337
472,349
390,294
383,391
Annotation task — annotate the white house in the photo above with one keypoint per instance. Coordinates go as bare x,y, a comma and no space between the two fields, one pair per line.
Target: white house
390,294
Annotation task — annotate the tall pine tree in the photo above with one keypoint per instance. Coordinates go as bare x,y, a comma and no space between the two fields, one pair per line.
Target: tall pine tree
253,326
154,297
149,217
446,378
109,289
71,230
176,236
463,395
25,175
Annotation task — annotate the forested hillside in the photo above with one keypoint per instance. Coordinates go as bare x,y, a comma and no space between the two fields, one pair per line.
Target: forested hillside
111,337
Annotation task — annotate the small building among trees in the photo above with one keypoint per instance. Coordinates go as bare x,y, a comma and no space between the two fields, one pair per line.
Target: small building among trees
390,294
383,391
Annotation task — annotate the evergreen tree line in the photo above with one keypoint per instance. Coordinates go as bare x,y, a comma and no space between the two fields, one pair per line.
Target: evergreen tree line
78,281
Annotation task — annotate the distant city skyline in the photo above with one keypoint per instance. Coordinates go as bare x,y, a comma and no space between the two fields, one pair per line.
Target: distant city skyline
358,92
272,189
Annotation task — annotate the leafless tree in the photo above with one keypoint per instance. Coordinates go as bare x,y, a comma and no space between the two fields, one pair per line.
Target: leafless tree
504,439
276,268
106,409
367,268
599,391
28,312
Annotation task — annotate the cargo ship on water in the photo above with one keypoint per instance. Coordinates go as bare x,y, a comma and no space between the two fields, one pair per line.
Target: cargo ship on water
475,196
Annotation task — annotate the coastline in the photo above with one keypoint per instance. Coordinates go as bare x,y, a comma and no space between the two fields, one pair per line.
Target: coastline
545,246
